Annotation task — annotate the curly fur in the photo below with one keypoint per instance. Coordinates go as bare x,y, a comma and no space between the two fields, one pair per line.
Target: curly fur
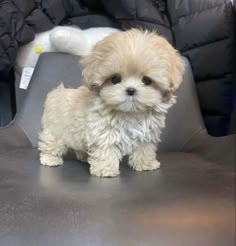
100,121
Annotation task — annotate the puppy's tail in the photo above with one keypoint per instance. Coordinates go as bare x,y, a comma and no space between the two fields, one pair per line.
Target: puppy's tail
61,86
58,88
69,40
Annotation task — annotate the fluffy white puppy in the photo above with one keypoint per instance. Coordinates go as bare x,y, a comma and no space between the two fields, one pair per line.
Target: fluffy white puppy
130,78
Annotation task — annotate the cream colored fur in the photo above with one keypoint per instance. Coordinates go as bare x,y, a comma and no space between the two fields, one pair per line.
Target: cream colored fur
100,121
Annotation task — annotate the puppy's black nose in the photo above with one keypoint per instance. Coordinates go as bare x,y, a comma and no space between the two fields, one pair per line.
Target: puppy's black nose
130,91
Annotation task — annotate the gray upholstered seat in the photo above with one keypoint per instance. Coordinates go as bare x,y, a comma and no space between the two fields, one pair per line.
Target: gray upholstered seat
189,201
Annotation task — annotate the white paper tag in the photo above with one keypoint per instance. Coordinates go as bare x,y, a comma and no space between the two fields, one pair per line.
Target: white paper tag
25,77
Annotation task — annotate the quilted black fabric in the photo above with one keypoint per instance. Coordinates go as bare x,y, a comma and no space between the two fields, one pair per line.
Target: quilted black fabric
203,31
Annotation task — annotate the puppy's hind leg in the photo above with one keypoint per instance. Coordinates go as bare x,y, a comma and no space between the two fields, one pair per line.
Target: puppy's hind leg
51,148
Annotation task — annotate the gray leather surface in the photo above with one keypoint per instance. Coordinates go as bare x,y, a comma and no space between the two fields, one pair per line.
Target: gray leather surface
188,202
12,136
54,68
220,150
20,93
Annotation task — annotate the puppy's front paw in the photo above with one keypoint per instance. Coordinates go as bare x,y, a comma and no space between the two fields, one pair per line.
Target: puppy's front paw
145,166
50,160
104,171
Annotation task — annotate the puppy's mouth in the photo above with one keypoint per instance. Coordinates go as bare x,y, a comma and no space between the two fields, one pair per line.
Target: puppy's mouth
131,99
131,104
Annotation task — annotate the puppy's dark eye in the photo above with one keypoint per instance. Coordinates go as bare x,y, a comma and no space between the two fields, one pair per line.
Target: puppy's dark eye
115,79
147,80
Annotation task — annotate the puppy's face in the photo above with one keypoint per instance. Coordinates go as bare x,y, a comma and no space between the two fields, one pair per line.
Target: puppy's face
133,71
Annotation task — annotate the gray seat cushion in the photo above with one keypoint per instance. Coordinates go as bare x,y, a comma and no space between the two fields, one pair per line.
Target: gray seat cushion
188,201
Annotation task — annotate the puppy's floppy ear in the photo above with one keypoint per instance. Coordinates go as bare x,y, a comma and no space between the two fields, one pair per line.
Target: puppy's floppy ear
89,64
177,69
94,65
175,62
